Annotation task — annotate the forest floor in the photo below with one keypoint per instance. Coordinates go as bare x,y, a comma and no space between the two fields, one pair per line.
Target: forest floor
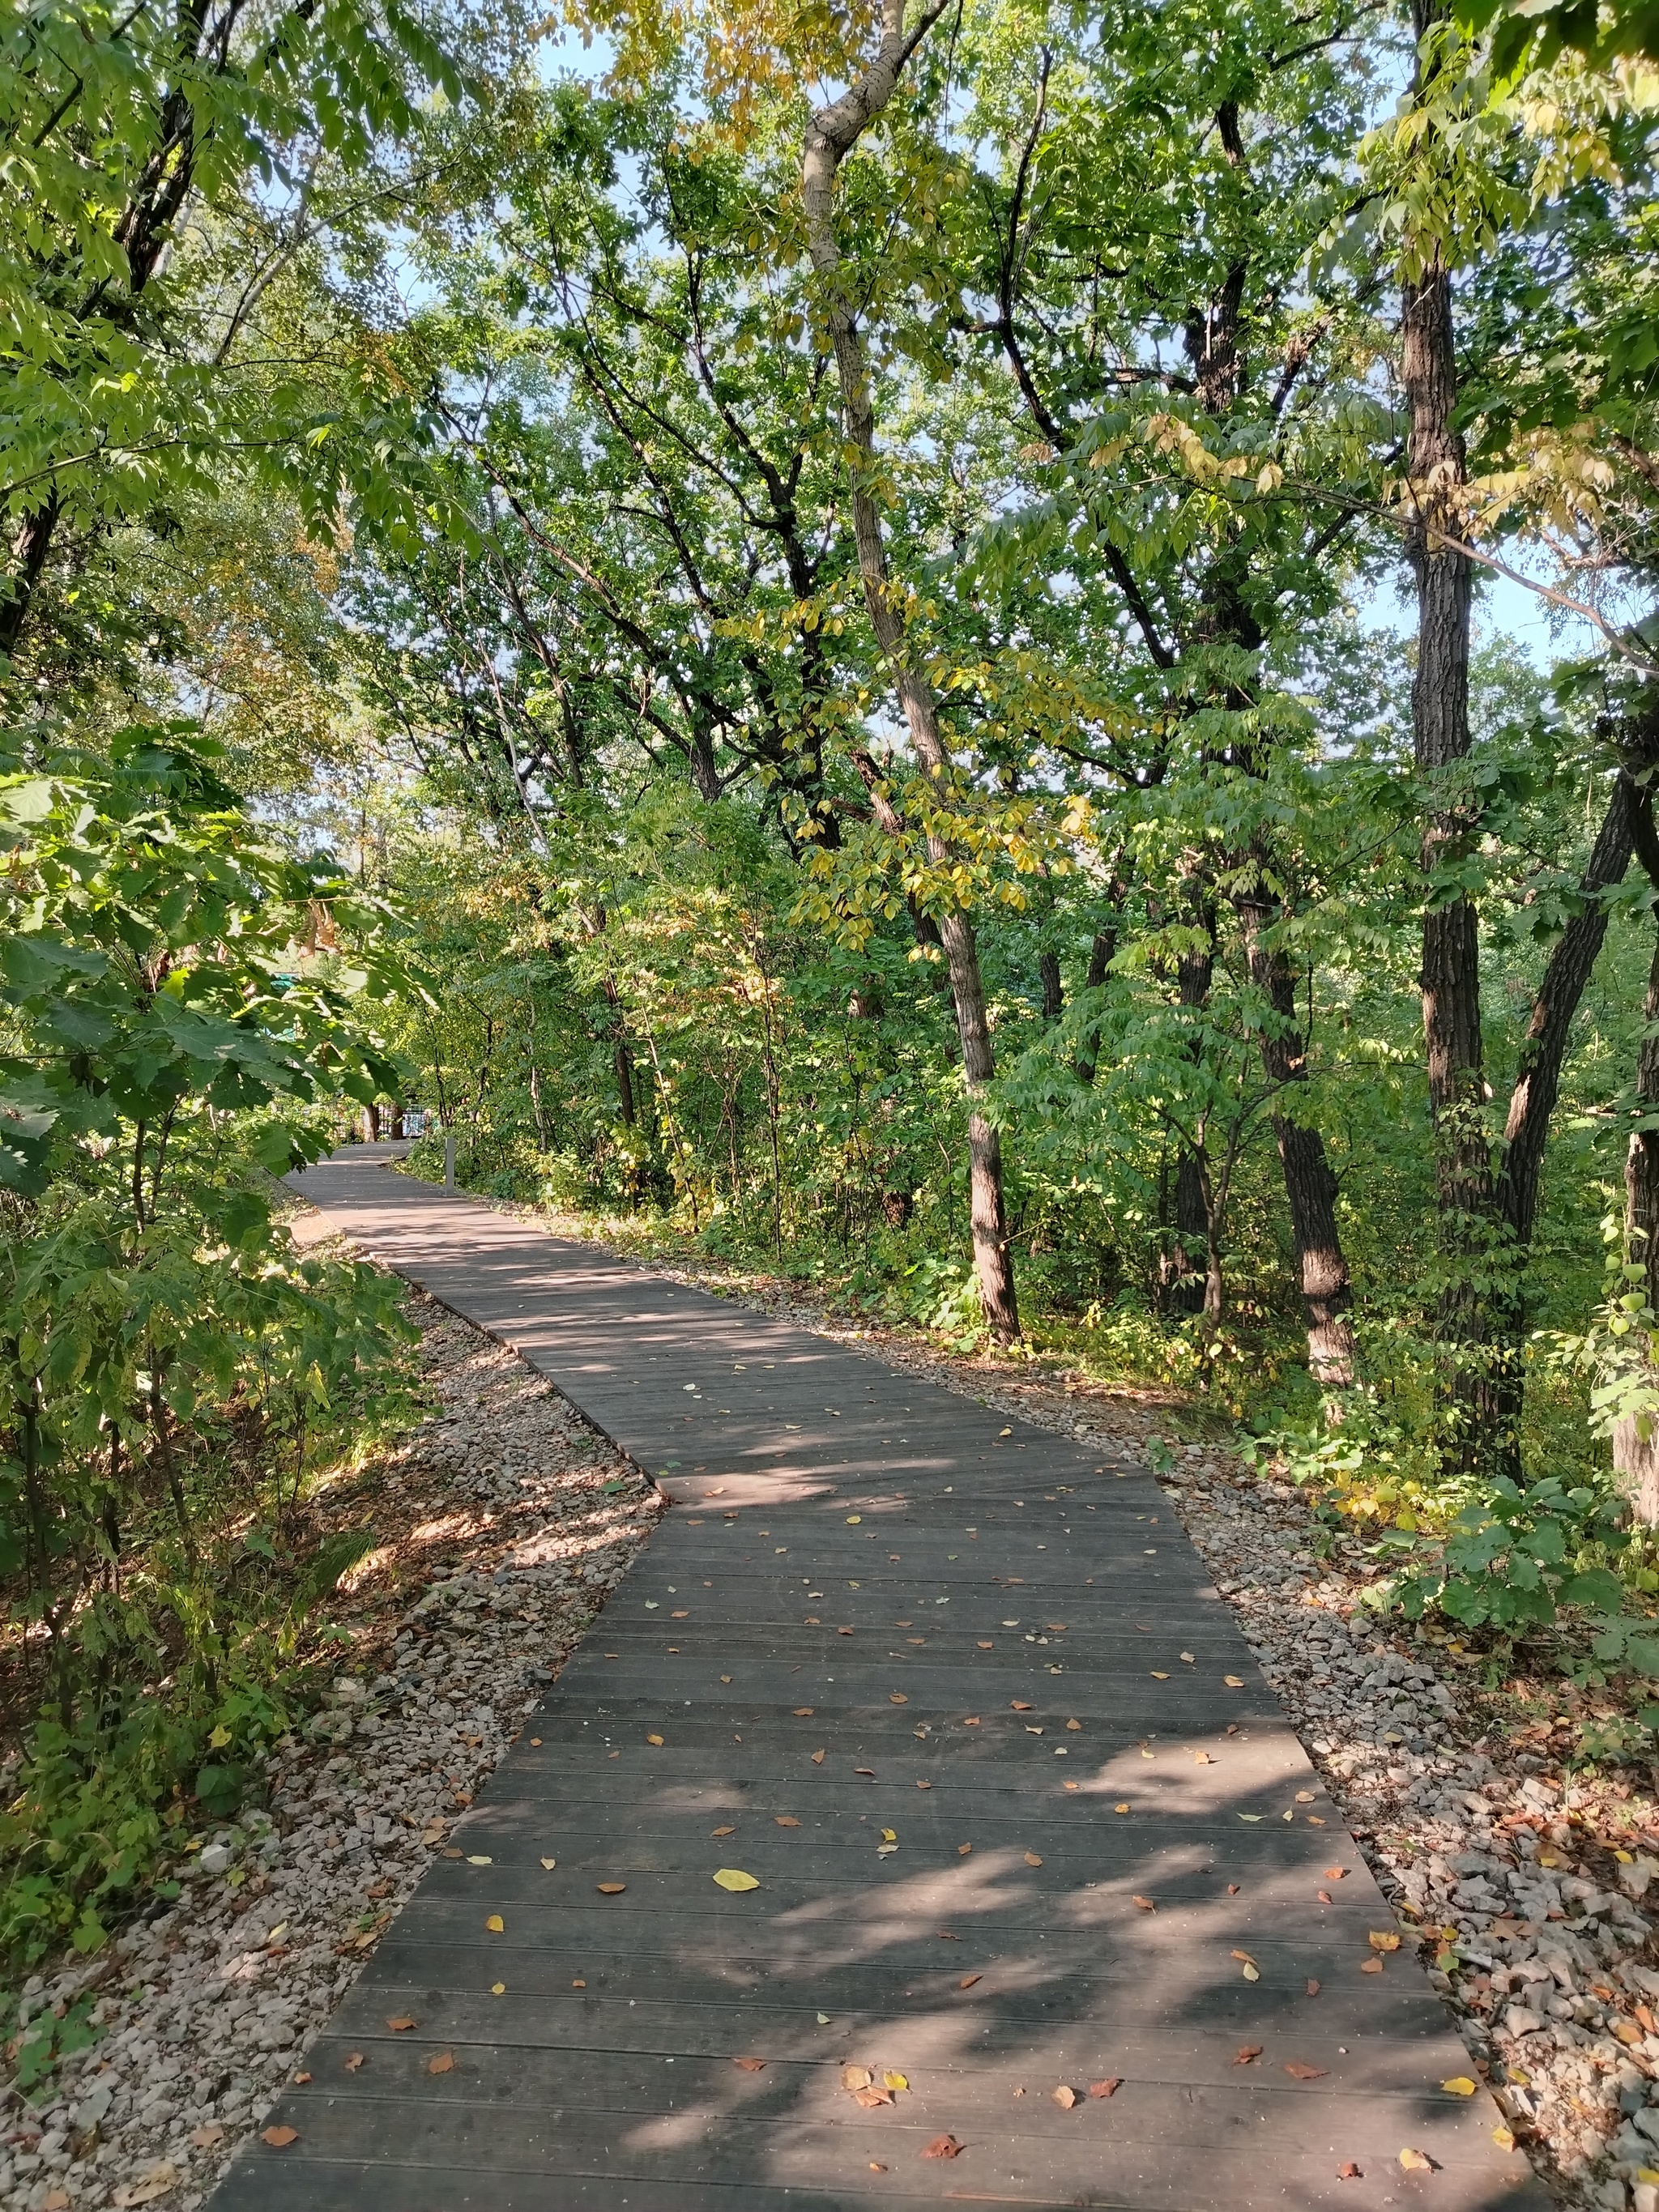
1525,1877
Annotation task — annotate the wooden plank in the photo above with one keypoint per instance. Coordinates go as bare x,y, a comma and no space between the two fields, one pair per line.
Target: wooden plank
602,2076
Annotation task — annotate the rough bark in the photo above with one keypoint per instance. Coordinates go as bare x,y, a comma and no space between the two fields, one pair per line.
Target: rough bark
831,134
1053,993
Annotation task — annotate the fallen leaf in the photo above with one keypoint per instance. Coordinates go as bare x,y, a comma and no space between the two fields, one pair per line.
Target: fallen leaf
1383,1939
1300,2072
1120,1808
817,1759
212,2134
970,1720
897,2080
280,2138
1071,1785
402,2024
1020,1705
1349,2172
653,1739
480,1861
1335,1873
1234,1681
1245,1956
1252,1973
1156,1677
963,1850
734,1878
610,1888
679,1616
1064,2098
301,2080
984,1643
1323,1895
924,1785
804,1713
1146,1904
943,2147
725,1678
722,1832
1313,1987
968,1981
443,2064
498,1989
1248,2054
1459,2086
1503,2137
870,1770
1416,2161
749,2065
856,2077
1202,1759
578,1985
1031,1859
1109,2088
1252,1816
1074,1727
784,1821
1232,1889
548,1864
1371,1966
163,2177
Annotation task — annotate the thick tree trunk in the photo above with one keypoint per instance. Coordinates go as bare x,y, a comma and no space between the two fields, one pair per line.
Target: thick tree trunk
1194,1255
1054,993
1635,1457
1469,1224
831,135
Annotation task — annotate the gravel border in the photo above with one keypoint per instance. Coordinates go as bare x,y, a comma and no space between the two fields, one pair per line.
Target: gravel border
506,1520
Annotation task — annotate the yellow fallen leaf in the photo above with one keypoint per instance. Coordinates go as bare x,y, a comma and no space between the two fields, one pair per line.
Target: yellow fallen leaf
498,1989
1064,2097
495,1924
895,2081
1459,2086
1624,1858
733,1878
1252,1973
1416,2161
1156,1677
1383,1939
1120,1808
653,1739
478,1861
852,1520
889,1835
1503,2137
550,1864
1234,1681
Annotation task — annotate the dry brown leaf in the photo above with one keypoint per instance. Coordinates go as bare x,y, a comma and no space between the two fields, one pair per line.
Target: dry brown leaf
679,1616
1349,2172
963,1850
1064,2098
966,1981
1074,1728
300,2081
1146,1904
1031,1859
1371,1966
817,1759
1300,2072
1335,1873
1313,1987
1232,1889
725,1678
722,1832
209,2137
856,2077
984,1643
1109,2088
402,2023
784,1821
279,2138
970,1720
1245,1956
1323,1895
804,1713
354,2061
943,2147
924,1785
610,1888
897,1697
1019,1705
443,2064
1248,2054
749,2065
872,2097
870,1770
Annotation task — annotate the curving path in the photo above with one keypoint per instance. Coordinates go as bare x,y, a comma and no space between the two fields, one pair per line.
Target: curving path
1029,1830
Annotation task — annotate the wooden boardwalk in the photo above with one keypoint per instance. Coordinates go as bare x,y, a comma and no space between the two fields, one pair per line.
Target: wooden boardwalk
1024,1817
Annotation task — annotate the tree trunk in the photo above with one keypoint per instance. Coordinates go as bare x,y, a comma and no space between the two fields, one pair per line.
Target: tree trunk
833,132
1310,1185
1635,1457
1465,1186
1053,993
